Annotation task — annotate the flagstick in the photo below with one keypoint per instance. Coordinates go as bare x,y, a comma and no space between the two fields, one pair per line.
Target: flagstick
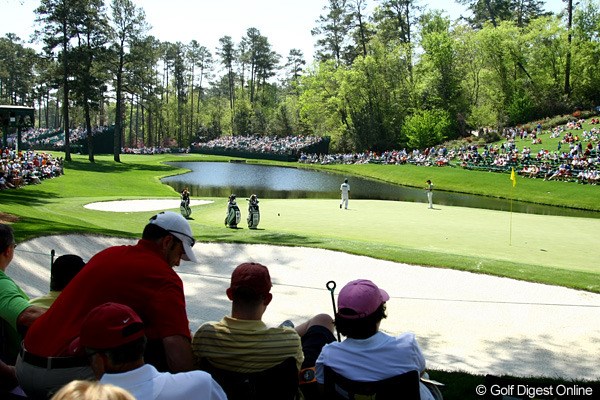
511,213
513,178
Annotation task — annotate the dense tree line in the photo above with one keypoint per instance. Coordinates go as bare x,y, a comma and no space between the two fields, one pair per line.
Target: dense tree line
387,73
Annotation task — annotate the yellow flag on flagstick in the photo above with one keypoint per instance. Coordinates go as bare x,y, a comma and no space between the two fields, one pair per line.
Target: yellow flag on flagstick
513,177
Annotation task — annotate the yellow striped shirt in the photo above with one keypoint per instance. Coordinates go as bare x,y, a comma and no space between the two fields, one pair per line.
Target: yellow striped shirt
245,345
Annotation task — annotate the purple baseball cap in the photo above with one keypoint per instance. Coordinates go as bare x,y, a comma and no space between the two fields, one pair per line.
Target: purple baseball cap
361,296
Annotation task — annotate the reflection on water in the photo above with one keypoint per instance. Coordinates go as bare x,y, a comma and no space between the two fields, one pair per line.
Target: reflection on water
218,179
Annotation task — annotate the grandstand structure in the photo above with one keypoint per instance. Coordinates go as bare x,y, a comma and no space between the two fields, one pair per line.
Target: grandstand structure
15,118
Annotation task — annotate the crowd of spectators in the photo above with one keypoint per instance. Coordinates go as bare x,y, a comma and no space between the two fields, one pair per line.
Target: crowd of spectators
50,138
18,168
54,137
153,150
430,156
576,158
259,144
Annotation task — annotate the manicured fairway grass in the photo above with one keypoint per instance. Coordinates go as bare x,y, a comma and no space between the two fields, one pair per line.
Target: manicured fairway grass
554,250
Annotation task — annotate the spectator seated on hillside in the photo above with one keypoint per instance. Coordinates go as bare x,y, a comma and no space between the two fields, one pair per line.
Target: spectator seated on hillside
31,176
561,173
22,168
530,171
588,176
441,161
594,177
4,184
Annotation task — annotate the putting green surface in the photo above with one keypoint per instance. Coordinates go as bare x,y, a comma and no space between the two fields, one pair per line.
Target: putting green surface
477,240
559,242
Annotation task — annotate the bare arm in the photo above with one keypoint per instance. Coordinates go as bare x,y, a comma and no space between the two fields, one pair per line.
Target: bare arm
319,319
27,316
178,350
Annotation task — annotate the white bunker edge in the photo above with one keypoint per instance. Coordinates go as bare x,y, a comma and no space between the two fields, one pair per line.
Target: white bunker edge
141,205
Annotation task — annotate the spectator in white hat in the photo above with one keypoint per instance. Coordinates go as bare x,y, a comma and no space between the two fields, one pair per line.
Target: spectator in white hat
140,276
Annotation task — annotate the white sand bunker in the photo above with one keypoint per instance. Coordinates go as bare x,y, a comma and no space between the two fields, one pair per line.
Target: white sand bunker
141,205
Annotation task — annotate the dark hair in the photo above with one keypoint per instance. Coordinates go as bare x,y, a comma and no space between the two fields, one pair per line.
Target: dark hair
7,237
154,232
127,353
247,296
359,328
63,269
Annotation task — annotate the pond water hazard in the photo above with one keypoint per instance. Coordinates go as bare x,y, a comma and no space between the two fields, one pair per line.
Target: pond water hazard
220,179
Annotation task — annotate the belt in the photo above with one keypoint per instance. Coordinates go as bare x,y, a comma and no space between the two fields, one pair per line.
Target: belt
53,362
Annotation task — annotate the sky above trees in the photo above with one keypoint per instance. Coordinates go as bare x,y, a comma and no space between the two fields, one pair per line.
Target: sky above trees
286,23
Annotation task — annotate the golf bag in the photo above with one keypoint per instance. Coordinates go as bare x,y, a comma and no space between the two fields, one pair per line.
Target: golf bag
186,211
253,212
234,216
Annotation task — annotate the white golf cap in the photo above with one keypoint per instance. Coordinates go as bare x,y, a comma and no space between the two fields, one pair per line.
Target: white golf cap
179,227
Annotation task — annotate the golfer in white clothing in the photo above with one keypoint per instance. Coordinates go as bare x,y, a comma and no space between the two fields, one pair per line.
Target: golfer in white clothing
345,188
429,190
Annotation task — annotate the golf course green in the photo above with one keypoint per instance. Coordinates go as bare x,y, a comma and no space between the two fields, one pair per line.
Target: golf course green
547,249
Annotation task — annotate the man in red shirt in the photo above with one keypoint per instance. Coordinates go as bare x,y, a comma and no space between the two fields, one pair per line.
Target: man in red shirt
139,276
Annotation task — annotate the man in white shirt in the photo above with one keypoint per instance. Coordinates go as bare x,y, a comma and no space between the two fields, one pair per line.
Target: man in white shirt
429,190
345,189
113,335
367,354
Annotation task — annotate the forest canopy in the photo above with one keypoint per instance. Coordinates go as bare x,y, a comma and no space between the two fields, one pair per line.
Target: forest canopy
398,76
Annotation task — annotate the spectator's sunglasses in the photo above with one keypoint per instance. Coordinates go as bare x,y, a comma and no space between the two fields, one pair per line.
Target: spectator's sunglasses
191,242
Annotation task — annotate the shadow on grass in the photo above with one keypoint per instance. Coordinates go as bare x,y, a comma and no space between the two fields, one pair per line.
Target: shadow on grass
114,167
280,239
29,228
26,197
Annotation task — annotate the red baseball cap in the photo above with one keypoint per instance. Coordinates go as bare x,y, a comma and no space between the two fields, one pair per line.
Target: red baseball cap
253,276
361,296
109,326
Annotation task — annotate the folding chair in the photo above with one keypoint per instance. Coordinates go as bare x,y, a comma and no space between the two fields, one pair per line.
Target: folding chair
277,383
399,387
